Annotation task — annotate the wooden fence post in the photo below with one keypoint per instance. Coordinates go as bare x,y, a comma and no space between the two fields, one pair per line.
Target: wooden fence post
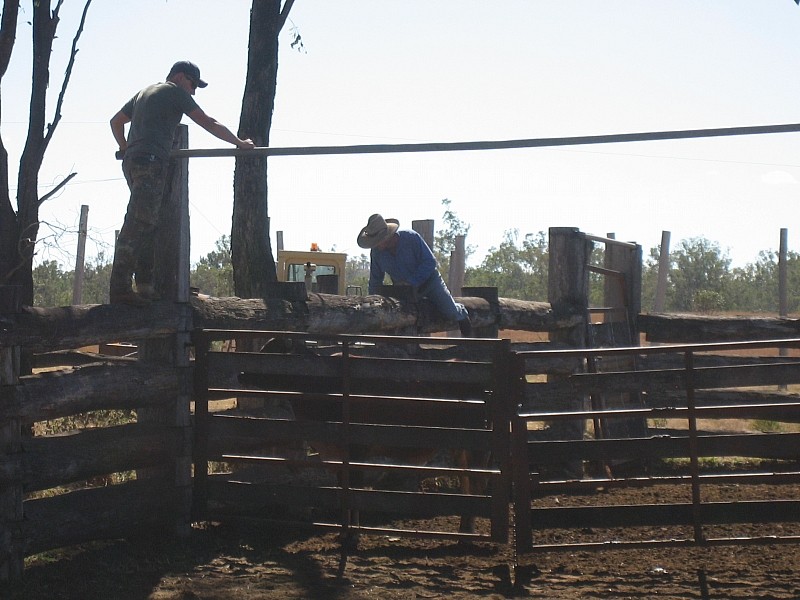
783,283
568,291
623,292
171,278
424,227
663,273
12,552
77,284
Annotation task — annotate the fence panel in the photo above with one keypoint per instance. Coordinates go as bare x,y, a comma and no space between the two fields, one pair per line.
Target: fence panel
345,416
712,490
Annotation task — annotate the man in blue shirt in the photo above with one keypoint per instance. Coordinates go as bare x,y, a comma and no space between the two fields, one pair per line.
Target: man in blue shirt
404,255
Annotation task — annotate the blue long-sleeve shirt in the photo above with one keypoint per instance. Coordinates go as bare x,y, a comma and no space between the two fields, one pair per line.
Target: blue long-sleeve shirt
412,263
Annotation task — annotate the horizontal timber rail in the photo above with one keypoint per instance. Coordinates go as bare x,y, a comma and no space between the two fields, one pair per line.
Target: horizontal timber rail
492,144
700,501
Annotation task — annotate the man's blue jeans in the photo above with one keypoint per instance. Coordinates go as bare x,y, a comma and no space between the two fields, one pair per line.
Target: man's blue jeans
435,290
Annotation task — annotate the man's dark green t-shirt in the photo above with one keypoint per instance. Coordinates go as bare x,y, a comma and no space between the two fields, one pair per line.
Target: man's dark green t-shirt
155,113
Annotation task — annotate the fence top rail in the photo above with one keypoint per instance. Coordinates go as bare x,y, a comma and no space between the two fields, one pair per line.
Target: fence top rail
224,334
611,241
490,145
665,349
678,412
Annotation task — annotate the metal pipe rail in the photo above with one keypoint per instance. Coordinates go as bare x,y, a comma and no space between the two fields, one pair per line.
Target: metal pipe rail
697,514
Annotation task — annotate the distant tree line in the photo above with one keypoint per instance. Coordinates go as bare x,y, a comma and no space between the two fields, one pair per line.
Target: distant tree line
700,277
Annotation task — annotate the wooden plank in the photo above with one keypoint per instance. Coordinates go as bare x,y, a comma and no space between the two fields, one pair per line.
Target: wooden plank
662,381
75,456
379,369
97,386
773,445
64,328
237,497
682,328
655,515
225,430
114,511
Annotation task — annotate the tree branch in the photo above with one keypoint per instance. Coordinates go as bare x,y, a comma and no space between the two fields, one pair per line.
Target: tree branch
8,33
284,13
52,192
57,116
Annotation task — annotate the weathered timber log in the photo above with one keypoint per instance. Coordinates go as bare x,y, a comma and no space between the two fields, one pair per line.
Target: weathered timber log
99,386
74,358
115,511
661,381
327,313
690,329
79,455
62,328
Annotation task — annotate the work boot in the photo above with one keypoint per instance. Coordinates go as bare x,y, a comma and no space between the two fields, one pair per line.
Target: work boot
147,291
465,326
130,298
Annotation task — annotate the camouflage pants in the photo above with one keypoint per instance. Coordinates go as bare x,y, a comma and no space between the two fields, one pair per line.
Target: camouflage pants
135,253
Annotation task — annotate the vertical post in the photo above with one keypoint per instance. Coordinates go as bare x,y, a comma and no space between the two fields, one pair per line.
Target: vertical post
455,275
279,239
568,293
491,296
171,279
520,462
77,284
12,552
783,283
622,292
663,272
783,252
458,257
424,227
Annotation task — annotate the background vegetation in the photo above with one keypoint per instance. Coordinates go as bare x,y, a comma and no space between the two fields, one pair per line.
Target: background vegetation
700,279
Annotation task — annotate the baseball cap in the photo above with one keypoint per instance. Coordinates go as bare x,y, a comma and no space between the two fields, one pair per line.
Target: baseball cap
188,68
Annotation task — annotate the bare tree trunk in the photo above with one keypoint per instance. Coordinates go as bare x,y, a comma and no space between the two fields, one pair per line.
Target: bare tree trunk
20,230
8,219
251,253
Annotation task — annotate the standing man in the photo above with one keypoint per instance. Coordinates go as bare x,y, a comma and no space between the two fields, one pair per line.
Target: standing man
404,255
153,114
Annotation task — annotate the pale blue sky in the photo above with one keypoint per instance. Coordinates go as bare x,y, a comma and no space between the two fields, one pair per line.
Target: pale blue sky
394,71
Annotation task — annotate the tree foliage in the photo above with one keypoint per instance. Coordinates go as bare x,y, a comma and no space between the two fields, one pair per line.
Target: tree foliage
213,274
517,270
444,242
53,286
357,272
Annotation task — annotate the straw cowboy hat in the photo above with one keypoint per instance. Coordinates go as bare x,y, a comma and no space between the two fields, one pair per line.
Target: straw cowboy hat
377,230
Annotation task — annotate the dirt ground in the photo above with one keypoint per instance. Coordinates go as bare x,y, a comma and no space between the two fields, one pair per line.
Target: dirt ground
251,561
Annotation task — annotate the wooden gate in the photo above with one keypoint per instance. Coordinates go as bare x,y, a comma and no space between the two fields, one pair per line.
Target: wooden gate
365,409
